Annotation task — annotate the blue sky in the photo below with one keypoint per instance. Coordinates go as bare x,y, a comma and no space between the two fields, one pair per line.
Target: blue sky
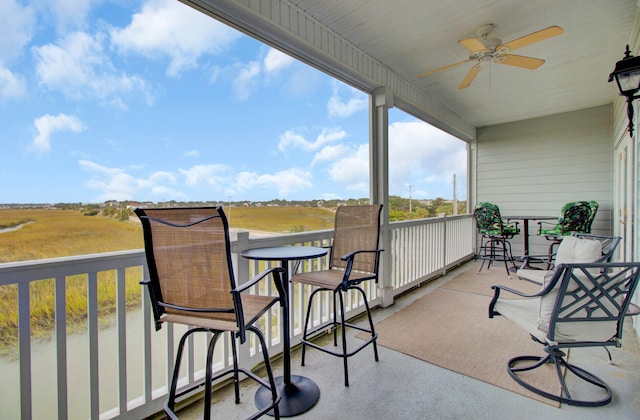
154,101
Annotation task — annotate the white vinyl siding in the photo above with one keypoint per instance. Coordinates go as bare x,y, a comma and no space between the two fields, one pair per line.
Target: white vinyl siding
534,167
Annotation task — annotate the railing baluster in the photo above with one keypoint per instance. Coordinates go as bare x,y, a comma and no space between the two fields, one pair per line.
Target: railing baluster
24,334
92,321
121,313
61,345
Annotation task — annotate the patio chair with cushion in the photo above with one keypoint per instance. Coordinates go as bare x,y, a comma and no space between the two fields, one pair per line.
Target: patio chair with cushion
495,236
192,283
572,250
353,259
580,305
574,217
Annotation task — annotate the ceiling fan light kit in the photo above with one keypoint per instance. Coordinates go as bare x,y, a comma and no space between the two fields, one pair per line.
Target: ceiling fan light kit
484,49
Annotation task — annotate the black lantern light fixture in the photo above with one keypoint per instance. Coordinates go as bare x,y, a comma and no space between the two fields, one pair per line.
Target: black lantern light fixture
627,77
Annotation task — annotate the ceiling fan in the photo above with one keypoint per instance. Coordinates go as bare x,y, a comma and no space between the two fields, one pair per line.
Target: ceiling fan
484,49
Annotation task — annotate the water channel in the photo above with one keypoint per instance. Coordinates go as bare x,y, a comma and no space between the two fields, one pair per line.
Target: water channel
44,376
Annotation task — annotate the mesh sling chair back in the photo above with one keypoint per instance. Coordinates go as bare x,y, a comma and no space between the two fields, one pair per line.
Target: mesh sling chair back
495,236
192,283
354,258
579,305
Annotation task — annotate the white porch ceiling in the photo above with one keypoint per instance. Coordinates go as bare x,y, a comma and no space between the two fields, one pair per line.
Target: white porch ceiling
412,36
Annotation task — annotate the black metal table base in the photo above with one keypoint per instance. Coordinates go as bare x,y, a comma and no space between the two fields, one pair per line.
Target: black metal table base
297,397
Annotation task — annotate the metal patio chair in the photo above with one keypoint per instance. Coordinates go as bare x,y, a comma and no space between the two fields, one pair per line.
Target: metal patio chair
580,305
353,259
495,236
192,283
575,217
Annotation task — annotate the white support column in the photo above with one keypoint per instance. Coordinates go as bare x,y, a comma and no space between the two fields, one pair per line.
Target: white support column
382,100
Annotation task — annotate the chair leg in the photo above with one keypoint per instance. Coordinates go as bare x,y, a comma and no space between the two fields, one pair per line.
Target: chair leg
272,383
305,331
374,336
550,250
508,257
208,375
236,376
169,405
343,353
343,328
335,317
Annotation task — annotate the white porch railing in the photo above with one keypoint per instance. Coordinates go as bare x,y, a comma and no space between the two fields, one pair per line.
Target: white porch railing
122,370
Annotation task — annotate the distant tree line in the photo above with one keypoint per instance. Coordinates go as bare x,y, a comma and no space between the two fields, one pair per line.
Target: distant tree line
399,208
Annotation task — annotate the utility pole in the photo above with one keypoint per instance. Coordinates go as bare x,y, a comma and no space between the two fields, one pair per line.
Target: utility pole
455,196
410,208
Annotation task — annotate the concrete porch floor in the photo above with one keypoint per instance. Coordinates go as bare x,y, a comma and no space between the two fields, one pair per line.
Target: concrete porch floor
403,387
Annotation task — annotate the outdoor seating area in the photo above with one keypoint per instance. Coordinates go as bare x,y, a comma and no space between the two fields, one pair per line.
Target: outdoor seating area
582,302
409,387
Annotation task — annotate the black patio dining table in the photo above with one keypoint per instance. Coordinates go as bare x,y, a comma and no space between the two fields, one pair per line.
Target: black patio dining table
525,227
298,393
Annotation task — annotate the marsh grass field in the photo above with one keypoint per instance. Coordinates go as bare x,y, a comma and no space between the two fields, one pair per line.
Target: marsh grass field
32,234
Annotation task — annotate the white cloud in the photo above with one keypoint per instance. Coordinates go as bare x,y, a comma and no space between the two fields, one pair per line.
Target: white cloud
17,23
423,156
355,101
47,125
69,13
246,80
291,140
286,182
275,61
352,170
79,67
167,28
11,85
192,153
331,153
117,184
212,175
248,77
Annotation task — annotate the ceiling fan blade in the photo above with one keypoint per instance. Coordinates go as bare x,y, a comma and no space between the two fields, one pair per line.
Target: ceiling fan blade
519,61
538,36
427,73
473,45
468,79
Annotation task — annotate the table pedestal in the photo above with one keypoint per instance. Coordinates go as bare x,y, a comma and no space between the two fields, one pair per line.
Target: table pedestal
296,397
297,393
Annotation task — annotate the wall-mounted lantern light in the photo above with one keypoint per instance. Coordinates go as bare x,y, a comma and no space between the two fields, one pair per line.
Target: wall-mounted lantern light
627,77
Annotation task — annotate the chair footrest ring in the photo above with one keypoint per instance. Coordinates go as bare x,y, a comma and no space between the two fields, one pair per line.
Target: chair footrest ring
514,366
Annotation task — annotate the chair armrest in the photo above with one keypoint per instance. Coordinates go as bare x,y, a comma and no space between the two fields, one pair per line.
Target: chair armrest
351,255
512,224
496,295
237,300
542,223
277,277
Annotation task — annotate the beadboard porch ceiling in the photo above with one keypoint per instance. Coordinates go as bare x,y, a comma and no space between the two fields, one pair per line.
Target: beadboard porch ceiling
413,36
